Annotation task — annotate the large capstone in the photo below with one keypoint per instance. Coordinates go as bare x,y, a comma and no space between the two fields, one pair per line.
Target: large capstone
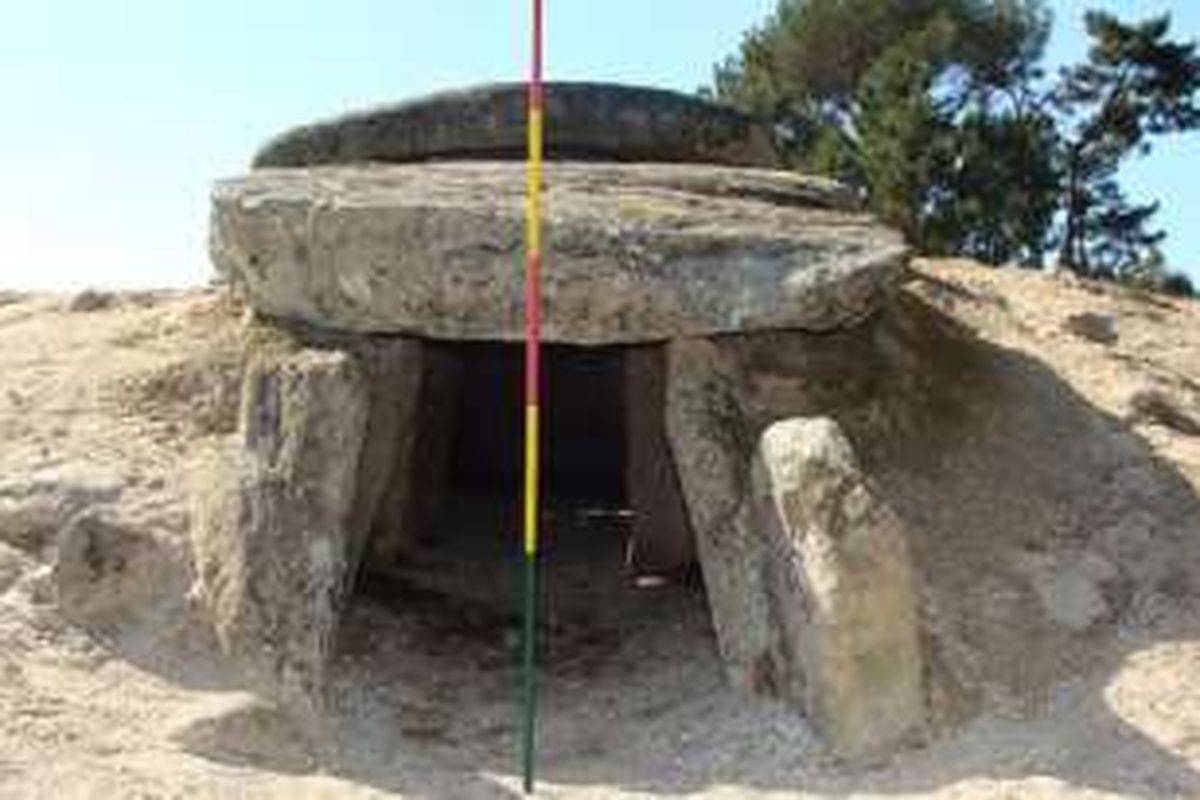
584,121
634,252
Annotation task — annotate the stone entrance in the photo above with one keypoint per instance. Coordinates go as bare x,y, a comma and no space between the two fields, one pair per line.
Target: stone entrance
447,528
605,456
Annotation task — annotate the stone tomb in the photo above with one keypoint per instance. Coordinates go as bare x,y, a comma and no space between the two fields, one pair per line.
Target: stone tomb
383,260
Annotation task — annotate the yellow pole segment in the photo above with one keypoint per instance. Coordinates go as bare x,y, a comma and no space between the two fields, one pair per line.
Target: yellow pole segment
531,478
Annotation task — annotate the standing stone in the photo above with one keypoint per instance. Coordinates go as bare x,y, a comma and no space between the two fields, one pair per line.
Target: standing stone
428,467
273,540
807,573
712,438
840,591
661,538
387,474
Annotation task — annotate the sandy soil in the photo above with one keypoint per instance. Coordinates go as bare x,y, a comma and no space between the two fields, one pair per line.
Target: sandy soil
107,404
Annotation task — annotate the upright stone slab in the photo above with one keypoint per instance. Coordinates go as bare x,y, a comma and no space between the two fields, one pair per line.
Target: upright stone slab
807,572
437,418
661,538
274,535
423,399
394,369
840,590
712,439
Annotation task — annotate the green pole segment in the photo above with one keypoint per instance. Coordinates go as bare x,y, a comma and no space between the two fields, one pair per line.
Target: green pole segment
528,678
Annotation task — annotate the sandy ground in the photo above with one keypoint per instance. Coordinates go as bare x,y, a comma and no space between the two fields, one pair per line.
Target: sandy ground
110,407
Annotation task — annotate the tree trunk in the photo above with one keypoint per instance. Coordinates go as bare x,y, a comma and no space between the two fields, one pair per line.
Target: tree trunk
1072,254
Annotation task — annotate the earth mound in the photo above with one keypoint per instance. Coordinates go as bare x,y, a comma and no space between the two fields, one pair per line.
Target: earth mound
1045,481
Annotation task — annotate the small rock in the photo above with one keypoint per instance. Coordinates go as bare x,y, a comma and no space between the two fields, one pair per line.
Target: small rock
34,508
106,573
9,297
91,300
1072,595
1098,328
13,565
1155,406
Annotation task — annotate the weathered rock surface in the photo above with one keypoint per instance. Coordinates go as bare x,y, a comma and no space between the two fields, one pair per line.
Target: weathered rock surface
807,574
1159,406
389,471
712,437
13,564
35,508
661,538
634,252
585,121
274,536
108,573
840,590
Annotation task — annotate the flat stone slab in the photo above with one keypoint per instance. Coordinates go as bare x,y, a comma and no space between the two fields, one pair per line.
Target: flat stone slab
634,252
585,121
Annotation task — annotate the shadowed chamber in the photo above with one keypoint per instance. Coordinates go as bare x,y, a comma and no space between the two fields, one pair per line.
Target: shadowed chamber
462,543
436,611
582,451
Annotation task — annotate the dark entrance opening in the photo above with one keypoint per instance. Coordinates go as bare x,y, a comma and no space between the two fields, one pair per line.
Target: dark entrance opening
462,537
473,540
610,500
583,451
436,621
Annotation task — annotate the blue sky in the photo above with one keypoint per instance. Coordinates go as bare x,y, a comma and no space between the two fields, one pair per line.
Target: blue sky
119,115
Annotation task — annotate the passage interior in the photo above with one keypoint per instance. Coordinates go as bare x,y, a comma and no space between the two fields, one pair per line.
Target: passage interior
582,441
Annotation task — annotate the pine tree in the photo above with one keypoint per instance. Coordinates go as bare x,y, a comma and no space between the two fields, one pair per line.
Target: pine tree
939,113
873,92
1136,84
1000,190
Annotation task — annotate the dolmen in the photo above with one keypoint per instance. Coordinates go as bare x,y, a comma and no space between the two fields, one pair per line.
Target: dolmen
733,305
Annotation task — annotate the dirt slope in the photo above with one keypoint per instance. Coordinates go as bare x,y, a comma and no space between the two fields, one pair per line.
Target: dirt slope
108,688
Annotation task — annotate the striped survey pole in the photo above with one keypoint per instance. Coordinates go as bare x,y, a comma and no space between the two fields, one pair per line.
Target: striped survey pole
533,346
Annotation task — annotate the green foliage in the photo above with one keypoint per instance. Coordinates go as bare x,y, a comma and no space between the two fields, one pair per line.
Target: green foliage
811,56
874,92
1000,191
1179,285
901,130
939,112
1135,83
